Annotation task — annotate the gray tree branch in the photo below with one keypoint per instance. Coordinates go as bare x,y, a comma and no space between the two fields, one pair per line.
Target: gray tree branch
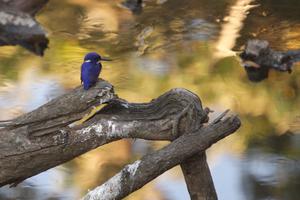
136,175
46,137
39,140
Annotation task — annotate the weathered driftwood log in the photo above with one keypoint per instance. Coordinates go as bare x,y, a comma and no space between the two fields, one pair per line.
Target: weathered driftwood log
27,6
18,26
258,58
136,175
42,139
30,143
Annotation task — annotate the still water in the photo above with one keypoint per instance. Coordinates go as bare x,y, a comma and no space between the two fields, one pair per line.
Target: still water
161,45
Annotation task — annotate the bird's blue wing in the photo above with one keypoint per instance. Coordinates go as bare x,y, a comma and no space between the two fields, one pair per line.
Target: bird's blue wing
98,70
85,75
81,80
89,74
94,73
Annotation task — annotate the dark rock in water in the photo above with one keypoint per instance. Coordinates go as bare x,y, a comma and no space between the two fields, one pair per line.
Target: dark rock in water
258,58
27,6
20,28
257,74
136,6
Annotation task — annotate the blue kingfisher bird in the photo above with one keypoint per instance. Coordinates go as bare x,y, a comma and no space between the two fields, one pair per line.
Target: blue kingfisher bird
91,68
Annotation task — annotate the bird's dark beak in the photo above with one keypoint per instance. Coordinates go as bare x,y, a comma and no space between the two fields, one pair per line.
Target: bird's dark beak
105,59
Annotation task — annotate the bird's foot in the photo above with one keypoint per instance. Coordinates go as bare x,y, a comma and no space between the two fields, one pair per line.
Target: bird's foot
87,116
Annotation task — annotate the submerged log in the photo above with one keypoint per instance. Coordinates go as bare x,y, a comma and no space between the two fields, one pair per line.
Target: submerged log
19,27
27,6
258,58
45,137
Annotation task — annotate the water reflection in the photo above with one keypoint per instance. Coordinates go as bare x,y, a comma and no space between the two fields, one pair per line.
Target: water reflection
31,91
52,184
169,44
270,176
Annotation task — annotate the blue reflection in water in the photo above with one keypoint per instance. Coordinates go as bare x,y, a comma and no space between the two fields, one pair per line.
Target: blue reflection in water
171,186
226,172
51,184
26,95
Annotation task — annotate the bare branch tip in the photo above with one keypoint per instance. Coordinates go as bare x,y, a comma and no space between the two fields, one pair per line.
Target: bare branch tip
220,117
